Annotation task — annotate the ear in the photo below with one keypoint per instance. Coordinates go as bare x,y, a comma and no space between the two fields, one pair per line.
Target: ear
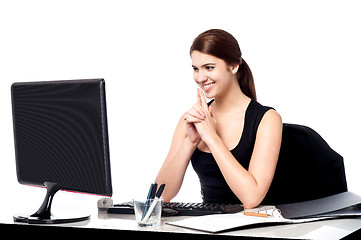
234,68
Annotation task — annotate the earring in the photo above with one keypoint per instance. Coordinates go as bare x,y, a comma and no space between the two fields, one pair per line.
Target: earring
234,71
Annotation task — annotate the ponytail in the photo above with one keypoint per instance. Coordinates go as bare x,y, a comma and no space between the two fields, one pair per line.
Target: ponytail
245,80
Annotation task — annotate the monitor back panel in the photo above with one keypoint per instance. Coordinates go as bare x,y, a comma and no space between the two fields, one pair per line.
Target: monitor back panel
61,135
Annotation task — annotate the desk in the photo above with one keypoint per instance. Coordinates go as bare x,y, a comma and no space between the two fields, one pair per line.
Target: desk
118,225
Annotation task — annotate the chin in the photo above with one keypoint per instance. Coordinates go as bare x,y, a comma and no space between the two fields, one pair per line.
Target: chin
210,95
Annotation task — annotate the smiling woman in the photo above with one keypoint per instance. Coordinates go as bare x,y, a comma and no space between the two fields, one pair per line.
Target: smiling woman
222,45
213,75
233,141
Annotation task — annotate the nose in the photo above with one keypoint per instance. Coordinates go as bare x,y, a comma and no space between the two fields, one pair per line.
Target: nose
201,77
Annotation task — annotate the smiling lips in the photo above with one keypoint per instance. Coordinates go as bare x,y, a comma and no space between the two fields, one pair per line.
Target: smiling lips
207,87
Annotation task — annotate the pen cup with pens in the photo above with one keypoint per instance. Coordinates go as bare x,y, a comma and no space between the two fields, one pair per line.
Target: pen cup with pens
148,213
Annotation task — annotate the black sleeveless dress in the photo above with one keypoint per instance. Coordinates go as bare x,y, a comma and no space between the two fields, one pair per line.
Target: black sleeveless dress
214,187
307,168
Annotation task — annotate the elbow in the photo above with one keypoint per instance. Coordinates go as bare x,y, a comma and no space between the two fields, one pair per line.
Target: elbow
168,195
252,202
249,205
167,198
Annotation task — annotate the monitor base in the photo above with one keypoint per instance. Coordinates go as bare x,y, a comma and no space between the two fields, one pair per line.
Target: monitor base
44,216
54,219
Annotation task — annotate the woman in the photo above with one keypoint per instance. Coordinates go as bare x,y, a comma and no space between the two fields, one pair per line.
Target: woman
233,141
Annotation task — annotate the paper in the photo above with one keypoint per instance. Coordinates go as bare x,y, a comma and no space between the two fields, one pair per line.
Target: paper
220,222
339,205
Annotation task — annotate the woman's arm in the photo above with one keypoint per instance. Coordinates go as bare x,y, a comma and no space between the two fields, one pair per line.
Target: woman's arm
252,186
185,140
249,186
175,165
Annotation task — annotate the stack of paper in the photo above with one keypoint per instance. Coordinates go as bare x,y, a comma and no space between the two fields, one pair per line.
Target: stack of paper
339,205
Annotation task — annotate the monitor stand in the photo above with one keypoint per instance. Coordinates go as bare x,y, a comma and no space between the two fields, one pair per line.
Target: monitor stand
43,215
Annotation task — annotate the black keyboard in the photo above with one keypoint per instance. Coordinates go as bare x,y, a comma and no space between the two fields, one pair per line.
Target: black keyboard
181,209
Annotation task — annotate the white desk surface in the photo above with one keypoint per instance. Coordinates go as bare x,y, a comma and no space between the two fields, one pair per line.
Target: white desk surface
330,229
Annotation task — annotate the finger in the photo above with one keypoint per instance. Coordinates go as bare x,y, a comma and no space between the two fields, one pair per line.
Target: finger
196,111
203,100
191,119
197,108
210,110
199,92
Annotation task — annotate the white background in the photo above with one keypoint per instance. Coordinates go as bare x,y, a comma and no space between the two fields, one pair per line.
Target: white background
305,57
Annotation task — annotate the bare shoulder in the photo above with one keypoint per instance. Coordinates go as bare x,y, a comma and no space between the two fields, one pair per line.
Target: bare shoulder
271,122
272,116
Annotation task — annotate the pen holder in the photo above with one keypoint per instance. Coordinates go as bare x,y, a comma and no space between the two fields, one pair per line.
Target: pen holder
148,213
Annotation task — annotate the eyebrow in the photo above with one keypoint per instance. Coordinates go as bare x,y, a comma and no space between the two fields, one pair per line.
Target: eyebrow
205,65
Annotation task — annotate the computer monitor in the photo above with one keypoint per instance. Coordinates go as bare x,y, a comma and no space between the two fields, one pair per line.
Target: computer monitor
61,140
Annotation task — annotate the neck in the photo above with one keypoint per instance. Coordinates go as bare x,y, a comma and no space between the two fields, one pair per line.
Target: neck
234,99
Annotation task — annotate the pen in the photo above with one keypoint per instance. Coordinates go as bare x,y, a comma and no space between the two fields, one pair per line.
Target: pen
155,200
149,196
255,214
160,190
154,189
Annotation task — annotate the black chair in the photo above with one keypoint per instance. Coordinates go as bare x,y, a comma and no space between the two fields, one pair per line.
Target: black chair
307,168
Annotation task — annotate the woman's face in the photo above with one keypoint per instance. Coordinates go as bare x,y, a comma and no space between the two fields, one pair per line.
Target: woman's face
212,74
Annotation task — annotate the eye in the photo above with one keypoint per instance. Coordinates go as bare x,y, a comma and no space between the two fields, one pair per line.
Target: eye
209,68
195,69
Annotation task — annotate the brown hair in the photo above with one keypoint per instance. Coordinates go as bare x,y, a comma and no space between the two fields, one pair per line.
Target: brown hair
223,45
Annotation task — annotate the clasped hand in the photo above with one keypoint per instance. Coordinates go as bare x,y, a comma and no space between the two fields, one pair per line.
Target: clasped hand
200,123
